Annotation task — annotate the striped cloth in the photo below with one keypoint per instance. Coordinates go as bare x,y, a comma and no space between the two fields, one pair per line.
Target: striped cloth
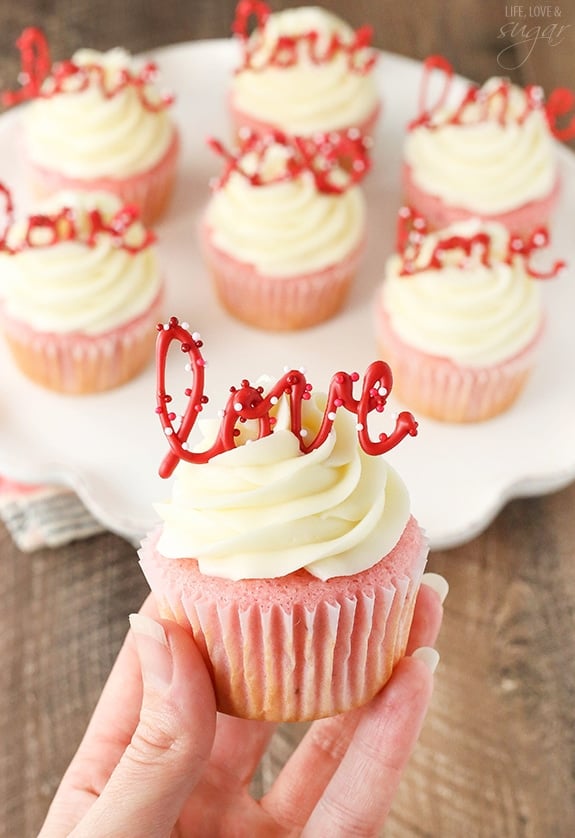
44,516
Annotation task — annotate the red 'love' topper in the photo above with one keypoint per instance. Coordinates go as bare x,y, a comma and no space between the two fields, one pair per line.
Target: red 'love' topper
344,152
491,104
286,49
49,229
248,403
412,230
42,80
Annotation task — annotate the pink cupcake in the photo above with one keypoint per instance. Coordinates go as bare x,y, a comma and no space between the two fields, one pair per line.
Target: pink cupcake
80,292
284,231
303,71
288,548
486,152
96,123
459,317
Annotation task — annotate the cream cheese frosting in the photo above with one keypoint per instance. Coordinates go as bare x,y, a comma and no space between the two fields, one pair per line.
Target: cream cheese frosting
287,227
307,96
73,287
475,314
84,134
487,166
265,509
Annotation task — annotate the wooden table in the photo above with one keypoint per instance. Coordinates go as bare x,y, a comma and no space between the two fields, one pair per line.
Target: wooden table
497,755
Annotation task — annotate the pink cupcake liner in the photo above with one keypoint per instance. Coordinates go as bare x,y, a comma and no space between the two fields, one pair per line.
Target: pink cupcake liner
294,648
76,363
437,387
278,303
150,190
522,220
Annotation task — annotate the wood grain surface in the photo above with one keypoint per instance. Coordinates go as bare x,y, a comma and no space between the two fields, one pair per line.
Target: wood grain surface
497,754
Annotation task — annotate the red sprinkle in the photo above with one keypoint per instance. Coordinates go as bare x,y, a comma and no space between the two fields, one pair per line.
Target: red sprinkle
249,403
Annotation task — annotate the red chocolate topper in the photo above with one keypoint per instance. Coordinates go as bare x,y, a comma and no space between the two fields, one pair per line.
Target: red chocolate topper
250,403
43,80
560,102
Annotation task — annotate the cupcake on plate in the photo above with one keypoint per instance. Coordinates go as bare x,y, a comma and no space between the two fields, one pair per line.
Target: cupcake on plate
302,71
486,152
96,122
460,316
284,230
288,548
80,292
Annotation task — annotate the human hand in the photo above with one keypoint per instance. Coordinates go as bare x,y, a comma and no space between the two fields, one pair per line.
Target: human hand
157,760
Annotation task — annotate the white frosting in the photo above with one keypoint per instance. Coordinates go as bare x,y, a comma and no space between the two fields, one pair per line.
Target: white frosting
307,96
87,135
264,509
70,286
288,227
485,166
475,315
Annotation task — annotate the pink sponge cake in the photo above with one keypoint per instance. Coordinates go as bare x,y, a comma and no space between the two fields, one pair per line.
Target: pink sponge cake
487,152
288,547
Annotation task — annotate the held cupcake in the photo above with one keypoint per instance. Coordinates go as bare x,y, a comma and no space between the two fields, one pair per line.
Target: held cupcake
284,231
288,548
80,292
302,71
488,152
96,122
460,317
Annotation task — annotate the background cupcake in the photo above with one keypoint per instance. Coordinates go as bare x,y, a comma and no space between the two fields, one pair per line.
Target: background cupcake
97,122
486,152
460,317
80,293
303,71
284,231
288,551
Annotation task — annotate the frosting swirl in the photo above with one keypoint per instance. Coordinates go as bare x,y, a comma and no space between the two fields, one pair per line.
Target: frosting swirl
485,165
472,313
284,227
264,509
70,286
307,96
85,134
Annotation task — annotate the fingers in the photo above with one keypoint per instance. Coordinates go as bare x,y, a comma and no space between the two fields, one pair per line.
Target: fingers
428,612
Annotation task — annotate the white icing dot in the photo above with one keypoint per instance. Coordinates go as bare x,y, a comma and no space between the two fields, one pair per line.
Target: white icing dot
168,431
188,367
331,414
303,432
238,406
274,400
360,426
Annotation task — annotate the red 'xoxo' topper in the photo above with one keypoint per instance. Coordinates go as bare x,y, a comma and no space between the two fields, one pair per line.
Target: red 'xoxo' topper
412,230
248,403
478,104
343,152
47,230
42,80
286,50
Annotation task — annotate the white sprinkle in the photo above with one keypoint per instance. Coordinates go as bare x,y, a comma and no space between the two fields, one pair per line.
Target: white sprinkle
238,406
331,415
168,431
188,367
166,327
359,426
303,432
185,446
274,400
196,335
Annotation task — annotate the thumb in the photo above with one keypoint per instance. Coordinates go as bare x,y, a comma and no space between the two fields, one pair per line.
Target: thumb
172,741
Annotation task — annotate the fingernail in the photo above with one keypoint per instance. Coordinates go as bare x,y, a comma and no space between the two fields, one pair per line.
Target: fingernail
437,583
153,651
428,655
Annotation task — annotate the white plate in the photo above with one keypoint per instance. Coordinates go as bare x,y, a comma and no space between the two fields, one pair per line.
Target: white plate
108,447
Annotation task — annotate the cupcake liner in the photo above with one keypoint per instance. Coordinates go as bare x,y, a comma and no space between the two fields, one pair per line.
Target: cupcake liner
76,363
150,190
289,658
522,220
439,388
278,303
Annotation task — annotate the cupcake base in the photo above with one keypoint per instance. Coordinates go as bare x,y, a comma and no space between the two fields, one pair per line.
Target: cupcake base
437,387
294,648
522,220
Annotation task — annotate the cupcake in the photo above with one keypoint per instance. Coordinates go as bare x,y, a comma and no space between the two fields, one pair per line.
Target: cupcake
460,317
284,230
80,292
303,71
288,548
97,123
488,152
